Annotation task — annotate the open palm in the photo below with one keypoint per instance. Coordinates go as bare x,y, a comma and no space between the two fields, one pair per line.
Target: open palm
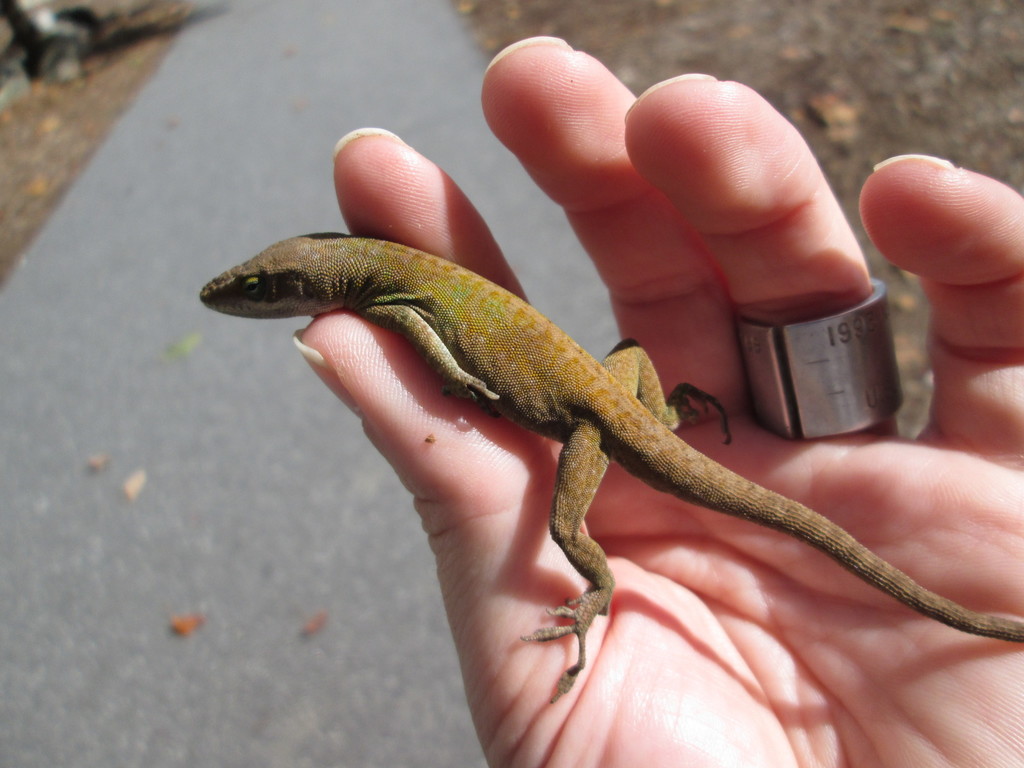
727,644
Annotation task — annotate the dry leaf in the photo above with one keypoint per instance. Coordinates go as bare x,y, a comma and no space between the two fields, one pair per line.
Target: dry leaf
794,53
98,462
839,116
186,623
183,347
48,124
739,32
315,624
38,186
133,485
904,22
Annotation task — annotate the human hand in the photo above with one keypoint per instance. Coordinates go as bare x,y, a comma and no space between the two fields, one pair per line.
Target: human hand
727,644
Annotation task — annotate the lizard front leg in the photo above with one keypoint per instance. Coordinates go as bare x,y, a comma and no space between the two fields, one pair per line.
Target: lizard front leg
581,465
406,320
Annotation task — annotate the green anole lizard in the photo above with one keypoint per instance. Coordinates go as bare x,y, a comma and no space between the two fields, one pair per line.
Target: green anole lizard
490,346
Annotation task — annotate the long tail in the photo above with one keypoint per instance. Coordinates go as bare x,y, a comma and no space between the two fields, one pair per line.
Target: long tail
734,495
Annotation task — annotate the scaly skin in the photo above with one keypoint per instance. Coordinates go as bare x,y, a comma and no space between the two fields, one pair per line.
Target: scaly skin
492,347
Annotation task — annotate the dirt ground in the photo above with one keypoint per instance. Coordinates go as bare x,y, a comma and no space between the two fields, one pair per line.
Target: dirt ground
862,82
48,135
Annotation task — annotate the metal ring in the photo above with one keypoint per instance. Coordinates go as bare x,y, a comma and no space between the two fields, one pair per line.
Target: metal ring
823,377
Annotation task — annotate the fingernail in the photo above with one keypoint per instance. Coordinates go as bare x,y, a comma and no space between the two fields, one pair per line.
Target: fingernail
529,43
360,133
670,81
678,79
311,355
937,161
315,358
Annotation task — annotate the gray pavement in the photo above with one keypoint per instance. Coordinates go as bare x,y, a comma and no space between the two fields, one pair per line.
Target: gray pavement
264,504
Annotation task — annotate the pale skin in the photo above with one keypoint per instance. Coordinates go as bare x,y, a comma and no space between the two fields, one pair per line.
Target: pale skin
727,644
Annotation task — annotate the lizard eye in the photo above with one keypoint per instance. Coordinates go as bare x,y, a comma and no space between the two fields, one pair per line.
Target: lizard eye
255,287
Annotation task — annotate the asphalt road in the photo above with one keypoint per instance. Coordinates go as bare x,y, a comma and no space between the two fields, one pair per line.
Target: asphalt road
263,503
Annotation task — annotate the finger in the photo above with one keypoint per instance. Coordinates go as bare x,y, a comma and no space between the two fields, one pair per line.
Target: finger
388,190
385,188
562,113
473,515
746,181
963,233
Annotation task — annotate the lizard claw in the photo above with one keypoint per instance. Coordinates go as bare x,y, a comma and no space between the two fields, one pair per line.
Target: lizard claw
544,634
562,612
688,413
473,389
477,388
587,606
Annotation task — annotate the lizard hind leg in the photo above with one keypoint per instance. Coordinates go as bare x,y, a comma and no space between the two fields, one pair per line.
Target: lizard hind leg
581,465
629,364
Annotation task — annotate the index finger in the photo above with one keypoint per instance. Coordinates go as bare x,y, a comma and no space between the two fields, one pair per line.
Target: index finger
686,225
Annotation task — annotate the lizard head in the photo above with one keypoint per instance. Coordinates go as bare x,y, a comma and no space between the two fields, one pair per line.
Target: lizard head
289,279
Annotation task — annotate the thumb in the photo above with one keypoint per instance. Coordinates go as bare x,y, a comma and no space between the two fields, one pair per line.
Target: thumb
471,476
